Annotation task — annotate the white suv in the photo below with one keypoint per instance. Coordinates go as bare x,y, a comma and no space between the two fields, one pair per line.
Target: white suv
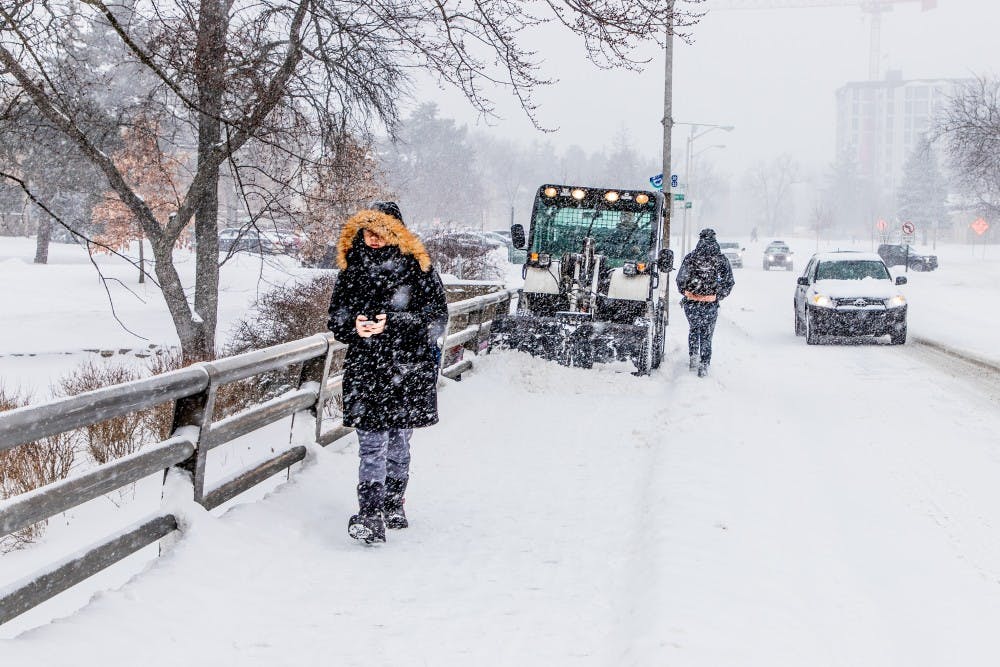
849,294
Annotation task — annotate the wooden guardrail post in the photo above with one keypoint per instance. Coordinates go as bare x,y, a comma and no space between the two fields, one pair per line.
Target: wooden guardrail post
475,318
316,370
196,411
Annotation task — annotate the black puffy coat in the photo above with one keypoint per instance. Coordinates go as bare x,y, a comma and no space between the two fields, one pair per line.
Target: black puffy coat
390,379
708,248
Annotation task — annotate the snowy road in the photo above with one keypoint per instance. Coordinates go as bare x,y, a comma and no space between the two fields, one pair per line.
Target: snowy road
804,505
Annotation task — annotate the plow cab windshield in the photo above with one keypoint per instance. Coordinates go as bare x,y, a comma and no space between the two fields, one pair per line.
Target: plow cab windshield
621,223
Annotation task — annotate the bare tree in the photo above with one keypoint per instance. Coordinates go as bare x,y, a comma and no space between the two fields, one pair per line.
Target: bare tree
771,184
287,75
970,127
822,217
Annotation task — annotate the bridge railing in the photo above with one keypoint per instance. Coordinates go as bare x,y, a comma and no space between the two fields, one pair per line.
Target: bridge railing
194,433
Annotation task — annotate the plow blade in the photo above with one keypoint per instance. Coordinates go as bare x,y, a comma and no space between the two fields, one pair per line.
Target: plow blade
571,339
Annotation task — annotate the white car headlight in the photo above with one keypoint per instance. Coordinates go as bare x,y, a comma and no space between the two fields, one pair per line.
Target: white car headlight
822,301
896,301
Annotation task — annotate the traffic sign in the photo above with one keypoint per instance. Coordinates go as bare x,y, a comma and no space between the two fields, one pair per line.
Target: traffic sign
881,224
656,181
678,196
980,226
908,228
673,180
687,204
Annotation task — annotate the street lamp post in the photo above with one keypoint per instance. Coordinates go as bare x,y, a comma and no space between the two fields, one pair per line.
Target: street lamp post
694,134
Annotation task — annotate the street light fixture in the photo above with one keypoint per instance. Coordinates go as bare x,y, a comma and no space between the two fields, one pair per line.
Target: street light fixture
706,148
694,134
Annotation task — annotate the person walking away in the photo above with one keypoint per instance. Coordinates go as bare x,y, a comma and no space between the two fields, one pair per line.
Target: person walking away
705,278
389,307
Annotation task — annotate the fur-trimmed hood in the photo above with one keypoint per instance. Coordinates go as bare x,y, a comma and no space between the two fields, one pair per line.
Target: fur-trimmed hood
386,226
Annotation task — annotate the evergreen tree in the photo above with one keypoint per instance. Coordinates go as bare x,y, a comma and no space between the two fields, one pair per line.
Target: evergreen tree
922,195
432,169
847,201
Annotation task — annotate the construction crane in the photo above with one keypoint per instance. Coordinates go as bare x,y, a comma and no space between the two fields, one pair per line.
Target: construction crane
874,7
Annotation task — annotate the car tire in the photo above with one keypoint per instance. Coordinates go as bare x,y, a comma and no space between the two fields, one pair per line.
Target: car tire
790,267
812,337
898,336
765,266
800,326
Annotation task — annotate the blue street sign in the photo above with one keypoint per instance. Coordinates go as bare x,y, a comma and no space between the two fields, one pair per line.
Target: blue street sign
673,180
656,181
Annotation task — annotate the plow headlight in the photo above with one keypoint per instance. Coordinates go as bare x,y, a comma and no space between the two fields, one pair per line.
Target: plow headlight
634,268
578,194
551,191
642,199
611,196
540,259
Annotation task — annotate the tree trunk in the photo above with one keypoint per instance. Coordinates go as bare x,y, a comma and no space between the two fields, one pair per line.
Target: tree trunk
189,331
210,63
142,263
42,240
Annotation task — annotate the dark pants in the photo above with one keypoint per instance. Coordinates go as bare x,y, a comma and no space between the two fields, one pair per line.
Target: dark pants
701,318
384,454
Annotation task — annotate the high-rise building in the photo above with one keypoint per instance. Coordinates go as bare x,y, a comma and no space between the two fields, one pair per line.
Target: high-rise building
880,123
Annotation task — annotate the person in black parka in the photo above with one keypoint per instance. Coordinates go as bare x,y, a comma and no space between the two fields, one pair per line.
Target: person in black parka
705,278
389,306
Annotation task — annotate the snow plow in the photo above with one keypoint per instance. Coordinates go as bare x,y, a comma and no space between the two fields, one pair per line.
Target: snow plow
595,279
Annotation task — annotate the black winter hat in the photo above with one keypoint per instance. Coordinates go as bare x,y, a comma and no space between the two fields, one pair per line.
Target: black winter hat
707,233
390,208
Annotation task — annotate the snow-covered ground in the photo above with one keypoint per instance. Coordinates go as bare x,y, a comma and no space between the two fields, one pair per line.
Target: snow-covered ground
803,505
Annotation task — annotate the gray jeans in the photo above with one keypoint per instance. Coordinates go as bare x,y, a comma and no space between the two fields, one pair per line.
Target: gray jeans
384,454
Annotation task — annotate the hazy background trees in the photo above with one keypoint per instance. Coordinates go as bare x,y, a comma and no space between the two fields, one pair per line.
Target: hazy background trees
268,92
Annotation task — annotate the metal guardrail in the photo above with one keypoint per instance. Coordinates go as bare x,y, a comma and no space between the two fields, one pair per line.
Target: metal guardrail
194,433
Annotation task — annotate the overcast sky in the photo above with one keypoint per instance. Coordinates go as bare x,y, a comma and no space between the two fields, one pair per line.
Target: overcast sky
771,73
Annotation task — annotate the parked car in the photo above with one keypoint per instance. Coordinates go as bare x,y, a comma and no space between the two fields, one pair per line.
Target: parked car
777,254
904,254
291,242
514,255
505,233
849,294
462,244
235,239
494,239
734,253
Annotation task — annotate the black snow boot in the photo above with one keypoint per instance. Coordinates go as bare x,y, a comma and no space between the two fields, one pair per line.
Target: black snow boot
702,369
693,362
395,517
367,525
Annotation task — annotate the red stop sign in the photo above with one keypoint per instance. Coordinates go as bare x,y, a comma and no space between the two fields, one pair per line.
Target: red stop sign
881,224
980,226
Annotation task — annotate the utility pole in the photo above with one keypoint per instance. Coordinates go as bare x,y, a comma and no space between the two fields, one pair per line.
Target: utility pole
668,125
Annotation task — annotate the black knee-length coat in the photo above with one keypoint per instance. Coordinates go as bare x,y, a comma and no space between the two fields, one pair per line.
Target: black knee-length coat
390,379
